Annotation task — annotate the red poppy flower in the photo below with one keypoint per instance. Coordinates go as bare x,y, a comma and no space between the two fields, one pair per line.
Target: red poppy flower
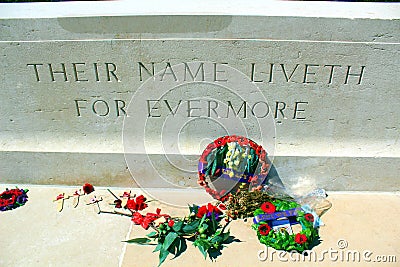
309,217
146,222
300,238
202,183
171,223
137,218
210,147
268,207
88,188
221,141
264,229
259,150
263,155
207,209
243,141
131,204
231,138
253,145
140,202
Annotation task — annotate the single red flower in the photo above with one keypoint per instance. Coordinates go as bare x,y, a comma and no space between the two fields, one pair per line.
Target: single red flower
300,238
264,229
268,207
131,204
146,222
210,147
231,138
202,183
221,141
118,203
309,217
140,202
208,209
137,218
253,145
243,141
88,188
259,150
171,223
136,204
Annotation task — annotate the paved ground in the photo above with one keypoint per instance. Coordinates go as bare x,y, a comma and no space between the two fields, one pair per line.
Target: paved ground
38,235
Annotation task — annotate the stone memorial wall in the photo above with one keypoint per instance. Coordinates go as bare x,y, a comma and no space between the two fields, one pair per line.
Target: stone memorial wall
99,97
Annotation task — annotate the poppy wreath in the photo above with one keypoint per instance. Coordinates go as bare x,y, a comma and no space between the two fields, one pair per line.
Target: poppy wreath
13,198
281,239
234,157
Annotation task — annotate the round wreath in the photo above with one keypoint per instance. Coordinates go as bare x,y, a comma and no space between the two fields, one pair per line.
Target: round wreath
13,198
281,239
242,158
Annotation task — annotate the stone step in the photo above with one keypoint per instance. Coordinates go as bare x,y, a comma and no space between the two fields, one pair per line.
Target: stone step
38,235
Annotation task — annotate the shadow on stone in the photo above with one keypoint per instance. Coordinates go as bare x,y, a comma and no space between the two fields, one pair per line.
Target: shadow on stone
215,253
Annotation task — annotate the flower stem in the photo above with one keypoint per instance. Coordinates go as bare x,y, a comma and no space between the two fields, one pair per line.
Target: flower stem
112,193
115,212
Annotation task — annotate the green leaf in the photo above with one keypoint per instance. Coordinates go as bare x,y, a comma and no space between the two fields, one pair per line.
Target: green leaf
138,241
174,246
225,236
177,226
169,239
203,219
214,167
163,255
158,247
191,227
214,223
203,251
152,234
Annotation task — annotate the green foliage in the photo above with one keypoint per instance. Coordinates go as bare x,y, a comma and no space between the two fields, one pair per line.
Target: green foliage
139,241
206,233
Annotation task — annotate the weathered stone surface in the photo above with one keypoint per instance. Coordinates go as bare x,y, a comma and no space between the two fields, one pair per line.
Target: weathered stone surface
330,83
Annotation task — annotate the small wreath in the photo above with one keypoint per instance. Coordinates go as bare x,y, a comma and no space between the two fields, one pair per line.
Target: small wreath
273,222
234,158
13,198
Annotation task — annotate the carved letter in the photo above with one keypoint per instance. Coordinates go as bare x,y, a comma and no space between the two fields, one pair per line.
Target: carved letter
359,75
111,71
149,109
36,70
296,110
253,69
308,73
216,71
171,72
76,71
63,71
187,70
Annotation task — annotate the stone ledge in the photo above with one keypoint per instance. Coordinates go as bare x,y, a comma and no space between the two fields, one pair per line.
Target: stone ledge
110,169
38,235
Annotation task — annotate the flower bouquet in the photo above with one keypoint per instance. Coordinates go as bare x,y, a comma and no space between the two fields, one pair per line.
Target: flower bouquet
233,169
13,198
